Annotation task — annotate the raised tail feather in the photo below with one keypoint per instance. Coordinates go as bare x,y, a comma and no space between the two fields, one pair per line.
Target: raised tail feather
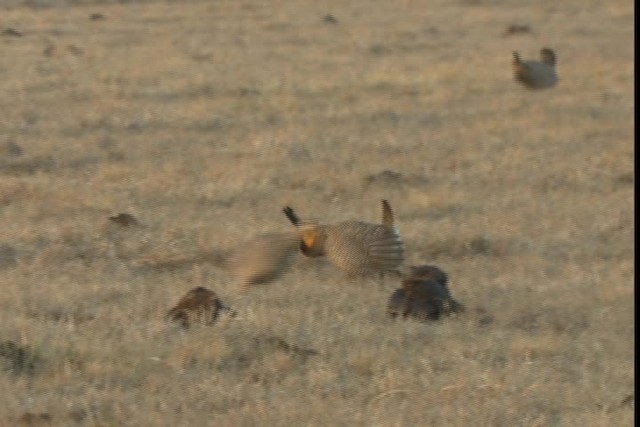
292,216
387,215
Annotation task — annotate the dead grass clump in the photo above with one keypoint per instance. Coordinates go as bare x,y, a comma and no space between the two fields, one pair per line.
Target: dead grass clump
476,246
73,317
8,256
33,419
160,262
264,345
12,191
272,358
627,401
329,19
550,319
27,165
386,178
18,360
246,355
626,178
393,182
482,317
11,149
97,16
70,248
275,343
514,29
124,219
12,32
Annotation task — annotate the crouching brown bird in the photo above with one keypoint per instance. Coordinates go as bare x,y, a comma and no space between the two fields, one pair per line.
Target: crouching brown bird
358,248
199,305
424,295
536,74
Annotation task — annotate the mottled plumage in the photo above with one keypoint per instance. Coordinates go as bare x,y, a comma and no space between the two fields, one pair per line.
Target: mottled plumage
536,74
424,295
356,247
199,305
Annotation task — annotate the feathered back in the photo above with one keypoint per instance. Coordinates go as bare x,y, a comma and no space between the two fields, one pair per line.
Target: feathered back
424,295
356,247
199,305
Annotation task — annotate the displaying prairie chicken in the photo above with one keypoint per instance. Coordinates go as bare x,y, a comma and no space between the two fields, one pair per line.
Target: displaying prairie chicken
424,295
264,258
358,248
199,305
536,74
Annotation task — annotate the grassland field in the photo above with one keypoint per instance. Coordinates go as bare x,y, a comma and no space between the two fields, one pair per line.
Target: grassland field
204,118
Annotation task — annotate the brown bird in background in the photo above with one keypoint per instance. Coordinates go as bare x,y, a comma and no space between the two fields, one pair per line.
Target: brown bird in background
424,295
124,220
264,258
358,248
536,74
199,305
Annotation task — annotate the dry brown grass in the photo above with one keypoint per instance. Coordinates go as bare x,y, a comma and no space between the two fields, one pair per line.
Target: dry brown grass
204,120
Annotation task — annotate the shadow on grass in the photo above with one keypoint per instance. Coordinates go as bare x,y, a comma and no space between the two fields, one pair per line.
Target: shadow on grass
16,359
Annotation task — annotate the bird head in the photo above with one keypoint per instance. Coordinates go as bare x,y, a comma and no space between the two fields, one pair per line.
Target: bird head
312,241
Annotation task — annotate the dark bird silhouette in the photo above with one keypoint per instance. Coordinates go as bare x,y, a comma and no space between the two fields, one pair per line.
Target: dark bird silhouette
124,219
424,295
536,74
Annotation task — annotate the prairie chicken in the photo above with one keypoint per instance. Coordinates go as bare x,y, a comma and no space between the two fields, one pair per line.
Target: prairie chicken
264,258
536,74
199,305
358,248
424,295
